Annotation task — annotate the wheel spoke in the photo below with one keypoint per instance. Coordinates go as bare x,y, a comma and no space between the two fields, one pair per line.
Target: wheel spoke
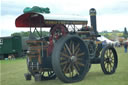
111,66
77,47
107,67
73,50
80,54
72,70
106,53
105,62
79,63
68,49
63,58
76,69
110,53
105,59
79,59
64,68
112,61
112,56
65,55
70,46
105,56
68,68
77,52
63,63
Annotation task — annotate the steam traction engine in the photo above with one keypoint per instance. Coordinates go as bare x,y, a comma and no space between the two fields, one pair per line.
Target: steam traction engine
68,51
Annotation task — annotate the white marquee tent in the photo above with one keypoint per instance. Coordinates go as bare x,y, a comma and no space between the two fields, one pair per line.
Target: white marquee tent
102,38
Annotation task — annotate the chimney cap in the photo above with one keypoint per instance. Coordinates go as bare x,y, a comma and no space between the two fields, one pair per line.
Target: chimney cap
92,12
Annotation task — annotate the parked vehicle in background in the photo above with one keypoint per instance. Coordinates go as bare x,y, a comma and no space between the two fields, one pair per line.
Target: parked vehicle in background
12,46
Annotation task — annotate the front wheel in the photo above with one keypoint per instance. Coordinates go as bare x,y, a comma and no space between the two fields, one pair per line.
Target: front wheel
70,59
109,60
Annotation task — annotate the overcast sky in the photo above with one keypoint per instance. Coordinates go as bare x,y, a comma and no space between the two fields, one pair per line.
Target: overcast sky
111,14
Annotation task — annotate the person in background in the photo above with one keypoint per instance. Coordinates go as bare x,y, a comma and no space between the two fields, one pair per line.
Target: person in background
125,47
104,43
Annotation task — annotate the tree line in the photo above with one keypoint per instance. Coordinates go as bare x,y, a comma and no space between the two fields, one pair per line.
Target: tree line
26,34
112,35
106,34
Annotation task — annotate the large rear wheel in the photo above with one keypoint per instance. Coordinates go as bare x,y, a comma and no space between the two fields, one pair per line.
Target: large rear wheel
70,59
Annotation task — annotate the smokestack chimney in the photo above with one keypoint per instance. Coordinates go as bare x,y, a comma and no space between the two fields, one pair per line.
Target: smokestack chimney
92,13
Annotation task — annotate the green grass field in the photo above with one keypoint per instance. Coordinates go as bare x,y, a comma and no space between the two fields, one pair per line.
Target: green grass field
12,73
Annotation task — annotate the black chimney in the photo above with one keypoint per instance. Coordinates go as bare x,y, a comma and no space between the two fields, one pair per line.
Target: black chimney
93,19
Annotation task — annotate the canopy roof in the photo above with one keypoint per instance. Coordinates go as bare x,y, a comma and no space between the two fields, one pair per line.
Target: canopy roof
47,20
